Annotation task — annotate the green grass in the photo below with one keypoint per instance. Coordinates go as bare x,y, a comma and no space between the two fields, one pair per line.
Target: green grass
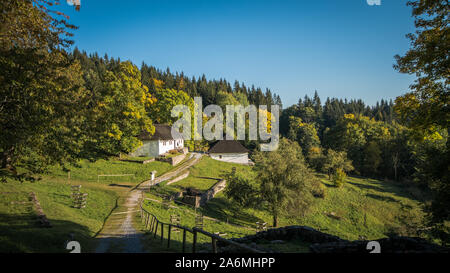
364,207
163,213
205,174
138,159
88,171
20,232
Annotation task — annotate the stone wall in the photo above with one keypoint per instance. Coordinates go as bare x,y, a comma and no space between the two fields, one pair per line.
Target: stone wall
178,178
174,160
193,200
209,194
326,243
304,233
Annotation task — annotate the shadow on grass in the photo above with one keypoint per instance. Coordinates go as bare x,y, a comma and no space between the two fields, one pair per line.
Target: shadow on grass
216,209
368,187
387,187
120,185
382,198
206,177
23,234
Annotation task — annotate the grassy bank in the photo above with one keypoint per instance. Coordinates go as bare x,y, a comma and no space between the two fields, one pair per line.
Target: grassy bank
363,208
88,171
205,174
19,230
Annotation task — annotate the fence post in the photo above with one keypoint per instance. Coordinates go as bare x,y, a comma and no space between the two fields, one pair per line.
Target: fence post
152,225
148,221
162,232
156,228
194,241
214,244
168,236
184,240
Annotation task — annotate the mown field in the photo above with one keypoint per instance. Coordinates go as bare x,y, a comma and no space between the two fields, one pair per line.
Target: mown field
363,208
19,230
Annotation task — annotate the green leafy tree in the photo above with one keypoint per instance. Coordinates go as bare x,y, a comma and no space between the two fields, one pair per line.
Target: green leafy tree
425,108
336,161
339,177
166,99
241,190
285,180
304,133
372,158
120,113
42,98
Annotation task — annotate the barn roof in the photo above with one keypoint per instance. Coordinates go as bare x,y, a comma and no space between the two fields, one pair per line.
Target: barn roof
162,132
228,146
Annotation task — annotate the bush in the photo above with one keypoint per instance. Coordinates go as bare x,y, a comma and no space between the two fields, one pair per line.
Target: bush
339,178
320,191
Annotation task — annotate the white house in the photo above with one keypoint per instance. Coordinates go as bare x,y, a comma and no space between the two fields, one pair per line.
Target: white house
229,151
159,143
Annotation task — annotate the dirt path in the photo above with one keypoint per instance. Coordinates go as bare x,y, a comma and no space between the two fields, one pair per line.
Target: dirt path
118,234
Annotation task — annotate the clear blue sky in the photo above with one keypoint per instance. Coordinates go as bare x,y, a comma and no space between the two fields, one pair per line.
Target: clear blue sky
341,48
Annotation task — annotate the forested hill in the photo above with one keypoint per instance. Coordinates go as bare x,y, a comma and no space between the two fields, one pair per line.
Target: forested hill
205,88
208,89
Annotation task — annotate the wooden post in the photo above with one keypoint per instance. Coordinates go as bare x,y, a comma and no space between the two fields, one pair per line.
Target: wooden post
214,244
194,241
152,225
162,232
184,240
156,228
168,236
148,221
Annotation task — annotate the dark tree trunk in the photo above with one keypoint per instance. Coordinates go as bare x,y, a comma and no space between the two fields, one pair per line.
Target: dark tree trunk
275,220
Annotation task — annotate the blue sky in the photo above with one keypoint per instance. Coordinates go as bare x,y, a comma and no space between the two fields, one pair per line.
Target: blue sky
341,48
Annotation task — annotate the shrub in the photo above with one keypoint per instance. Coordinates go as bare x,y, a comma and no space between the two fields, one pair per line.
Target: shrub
320,191
339,178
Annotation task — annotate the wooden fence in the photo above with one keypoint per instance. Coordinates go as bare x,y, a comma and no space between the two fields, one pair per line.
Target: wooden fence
152,224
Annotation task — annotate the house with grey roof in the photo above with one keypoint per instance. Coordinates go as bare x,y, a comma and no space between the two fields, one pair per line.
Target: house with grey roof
161,142
229,151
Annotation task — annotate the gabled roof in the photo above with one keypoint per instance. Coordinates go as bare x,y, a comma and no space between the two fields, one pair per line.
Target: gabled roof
228,146
162,132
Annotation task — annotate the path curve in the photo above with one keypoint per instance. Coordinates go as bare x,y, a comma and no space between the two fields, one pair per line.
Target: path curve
118,234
